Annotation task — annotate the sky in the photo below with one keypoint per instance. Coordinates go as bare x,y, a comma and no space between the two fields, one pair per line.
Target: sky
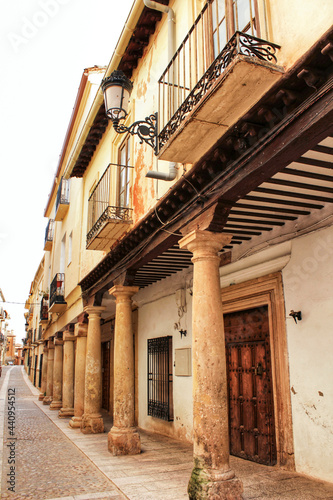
44,45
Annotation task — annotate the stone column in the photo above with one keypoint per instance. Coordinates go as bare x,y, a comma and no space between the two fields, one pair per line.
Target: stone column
67,409
57,375
123,438
80,334
211,476
44,374
92,422
49,381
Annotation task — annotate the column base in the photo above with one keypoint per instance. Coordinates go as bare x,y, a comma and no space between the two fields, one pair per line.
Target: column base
47,400
41,397
214,484
66,412
56,405
75,422
124,441
92,424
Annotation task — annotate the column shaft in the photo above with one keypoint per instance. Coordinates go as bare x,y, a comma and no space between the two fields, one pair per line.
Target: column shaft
67,409
92,421
80,333
44,374
57,375
49,383
211,476
123,439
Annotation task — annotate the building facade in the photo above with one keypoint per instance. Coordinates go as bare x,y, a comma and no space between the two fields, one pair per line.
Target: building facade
188,254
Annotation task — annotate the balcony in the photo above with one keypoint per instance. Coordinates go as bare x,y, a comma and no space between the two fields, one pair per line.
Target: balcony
206,88
57,302
49,233
109,215
62,202
44,311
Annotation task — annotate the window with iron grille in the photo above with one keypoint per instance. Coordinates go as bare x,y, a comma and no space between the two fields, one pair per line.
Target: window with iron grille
160,383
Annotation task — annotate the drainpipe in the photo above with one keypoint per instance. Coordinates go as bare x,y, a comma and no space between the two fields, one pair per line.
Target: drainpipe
153,174
171,19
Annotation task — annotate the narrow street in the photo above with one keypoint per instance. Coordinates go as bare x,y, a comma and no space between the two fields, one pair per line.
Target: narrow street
44,459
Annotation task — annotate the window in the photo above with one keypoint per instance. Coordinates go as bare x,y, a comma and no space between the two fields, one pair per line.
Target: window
70,243
229,16
62,254
160,384
123,194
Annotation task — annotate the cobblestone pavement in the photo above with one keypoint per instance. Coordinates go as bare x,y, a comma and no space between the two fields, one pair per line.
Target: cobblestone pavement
47,464
56,462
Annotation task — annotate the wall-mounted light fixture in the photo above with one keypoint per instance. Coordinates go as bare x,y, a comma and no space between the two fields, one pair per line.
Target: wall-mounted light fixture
182,332
297,315
117,90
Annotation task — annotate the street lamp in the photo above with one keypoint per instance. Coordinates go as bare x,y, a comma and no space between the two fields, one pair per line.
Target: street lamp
117,90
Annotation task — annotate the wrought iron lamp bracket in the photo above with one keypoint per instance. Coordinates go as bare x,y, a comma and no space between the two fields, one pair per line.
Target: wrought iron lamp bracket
145,129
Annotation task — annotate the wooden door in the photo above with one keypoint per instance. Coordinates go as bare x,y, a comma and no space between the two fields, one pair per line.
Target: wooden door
251,412
106,375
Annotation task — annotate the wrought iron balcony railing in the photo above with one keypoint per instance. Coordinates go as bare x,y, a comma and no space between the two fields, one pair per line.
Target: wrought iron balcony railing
219,34
44,310
108,209
57,293
62,201
49,233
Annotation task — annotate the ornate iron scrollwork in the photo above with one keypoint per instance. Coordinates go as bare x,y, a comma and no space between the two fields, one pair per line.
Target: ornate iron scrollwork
145,129
255,47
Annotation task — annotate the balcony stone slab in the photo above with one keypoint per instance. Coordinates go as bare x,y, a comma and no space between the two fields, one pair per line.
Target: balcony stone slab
241,85
108,233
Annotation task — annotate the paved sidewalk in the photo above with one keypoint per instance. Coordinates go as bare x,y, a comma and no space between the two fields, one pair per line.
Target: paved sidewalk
160,472
39,461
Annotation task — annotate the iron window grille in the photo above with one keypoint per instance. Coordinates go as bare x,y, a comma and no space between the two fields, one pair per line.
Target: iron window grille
160,378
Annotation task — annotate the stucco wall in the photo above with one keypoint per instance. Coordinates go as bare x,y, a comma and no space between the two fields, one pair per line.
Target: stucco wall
308,286
297,25
157,319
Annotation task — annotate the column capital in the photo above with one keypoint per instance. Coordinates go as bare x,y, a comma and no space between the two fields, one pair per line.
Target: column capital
204,240
94,310
123,291
80,330
68,336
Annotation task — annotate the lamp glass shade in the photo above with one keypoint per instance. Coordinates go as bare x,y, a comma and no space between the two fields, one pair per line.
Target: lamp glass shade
117,90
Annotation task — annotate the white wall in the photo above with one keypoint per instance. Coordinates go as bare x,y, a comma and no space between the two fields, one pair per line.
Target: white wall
308,286
156,318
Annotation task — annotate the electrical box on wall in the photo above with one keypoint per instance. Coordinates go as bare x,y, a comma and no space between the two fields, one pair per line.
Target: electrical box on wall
183,362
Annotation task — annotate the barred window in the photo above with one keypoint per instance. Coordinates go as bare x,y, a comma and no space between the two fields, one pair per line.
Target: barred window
160,384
